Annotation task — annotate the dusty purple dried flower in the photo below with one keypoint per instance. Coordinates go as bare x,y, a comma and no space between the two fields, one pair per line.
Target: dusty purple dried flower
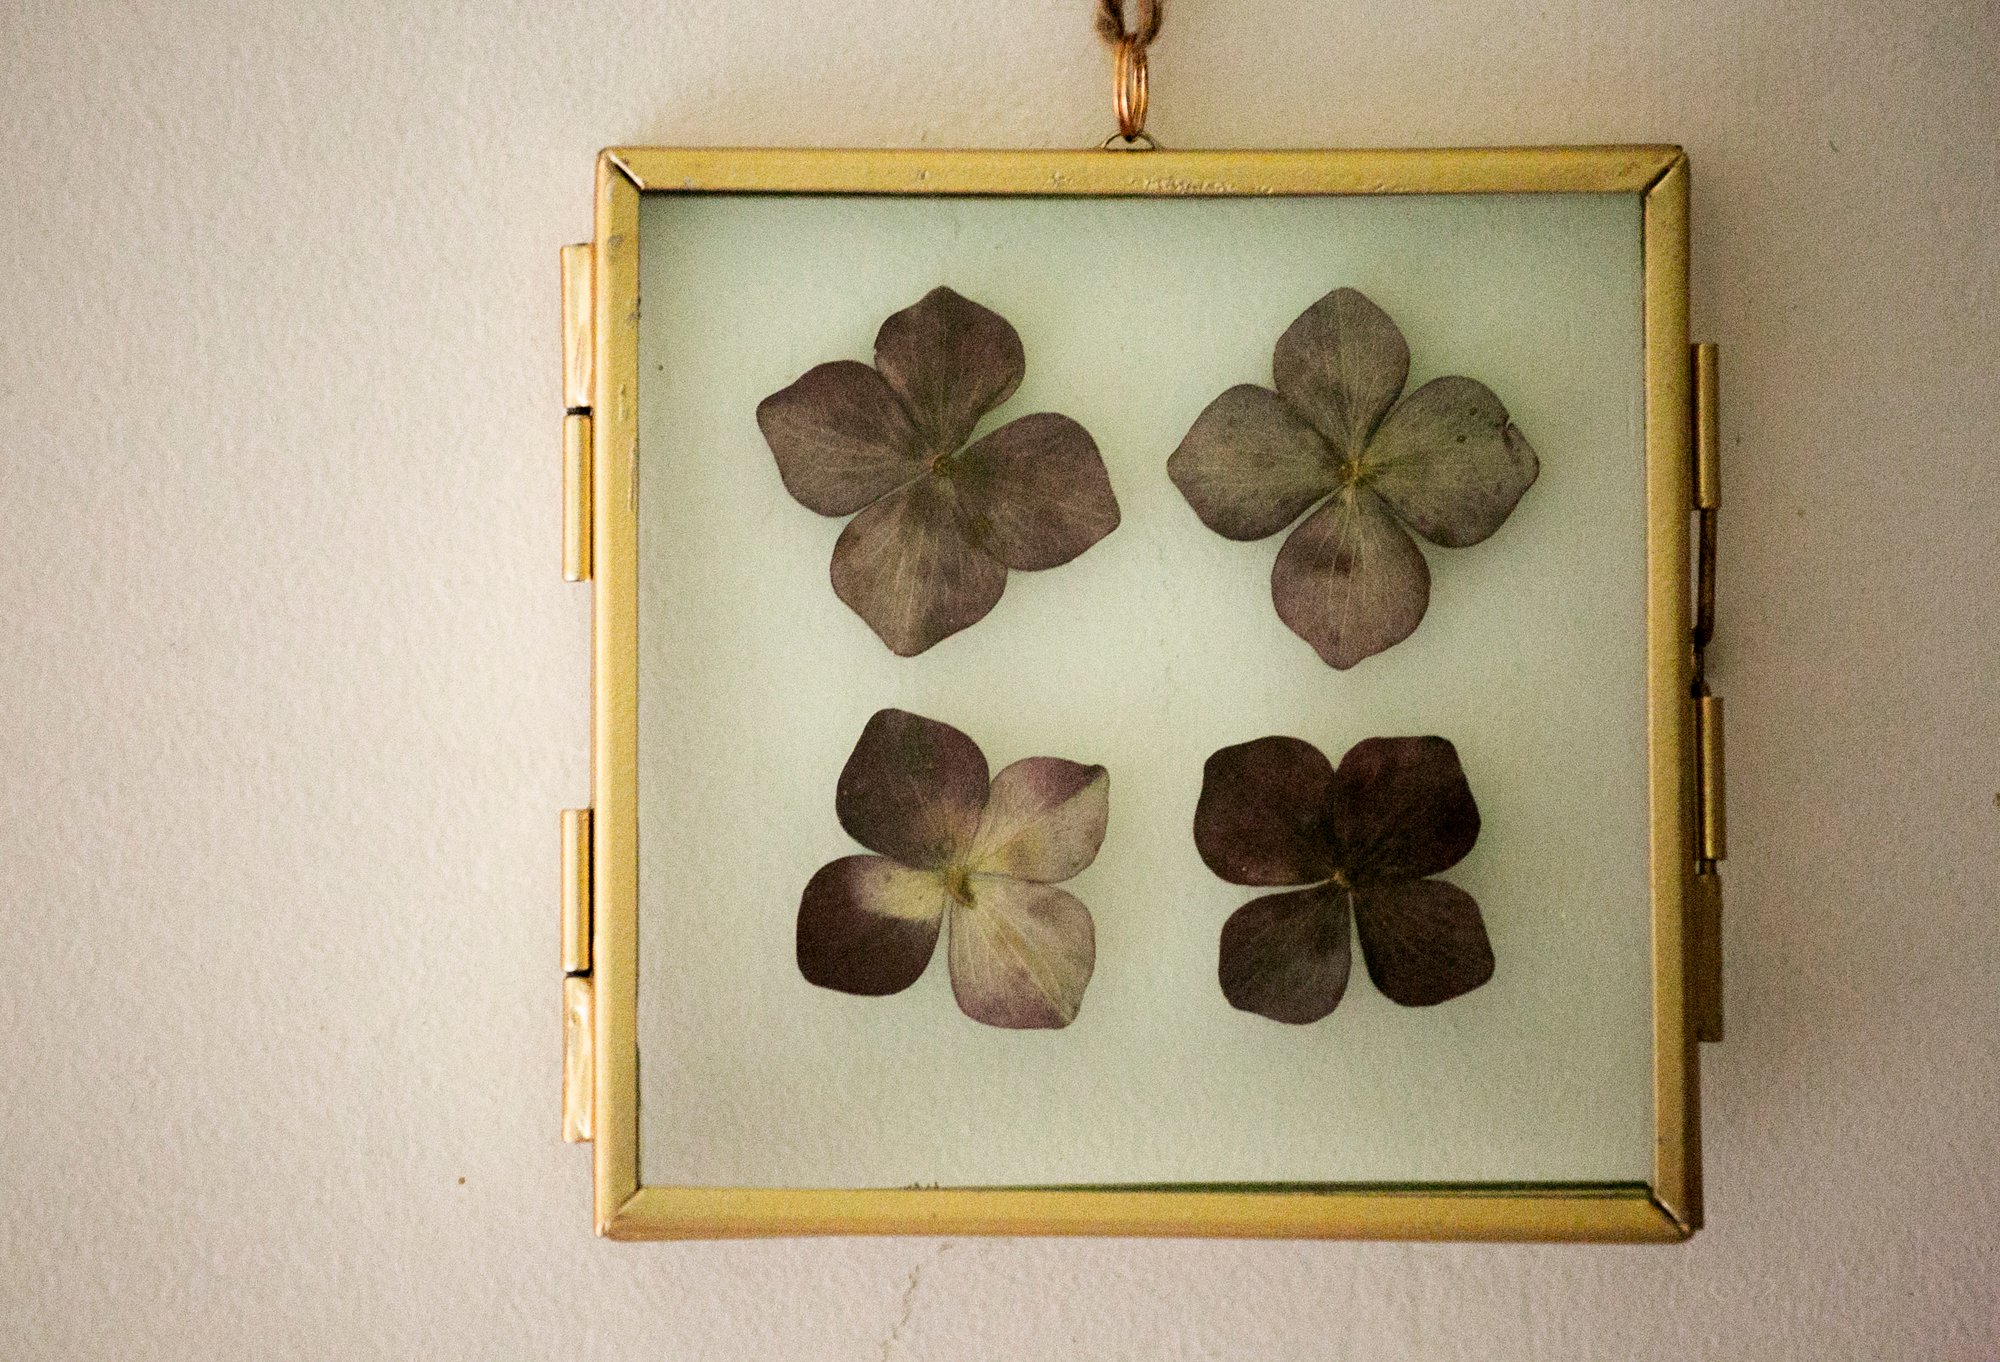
1444,461
940,521
1362,839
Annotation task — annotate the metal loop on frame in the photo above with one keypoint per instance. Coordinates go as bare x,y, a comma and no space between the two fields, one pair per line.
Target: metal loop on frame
1129,87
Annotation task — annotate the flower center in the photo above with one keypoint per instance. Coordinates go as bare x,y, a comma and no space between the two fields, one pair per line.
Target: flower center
958,885
1352,471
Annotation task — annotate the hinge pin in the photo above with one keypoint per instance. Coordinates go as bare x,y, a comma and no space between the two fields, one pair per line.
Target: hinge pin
577,307
579,1098
579,996
1705,968
579,375
1705,925
576,497
576,891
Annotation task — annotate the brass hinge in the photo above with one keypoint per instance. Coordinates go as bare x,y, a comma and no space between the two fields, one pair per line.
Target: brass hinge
578,377
579,1117
576,497
1705,960
578,1088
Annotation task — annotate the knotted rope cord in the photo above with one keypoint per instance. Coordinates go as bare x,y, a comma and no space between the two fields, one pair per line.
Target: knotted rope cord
1111,21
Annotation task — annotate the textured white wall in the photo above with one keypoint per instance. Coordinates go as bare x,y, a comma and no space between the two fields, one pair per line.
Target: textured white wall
290,689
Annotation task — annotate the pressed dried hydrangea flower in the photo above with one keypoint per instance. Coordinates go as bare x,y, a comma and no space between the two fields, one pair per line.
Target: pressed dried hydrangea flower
1362,840
986,855
941,521
1444,461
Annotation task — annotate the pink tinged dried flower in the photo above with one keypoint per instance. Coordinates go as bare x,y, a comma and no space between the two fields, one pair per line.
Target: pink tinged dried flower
1363,839
954,846
1443,461
940,522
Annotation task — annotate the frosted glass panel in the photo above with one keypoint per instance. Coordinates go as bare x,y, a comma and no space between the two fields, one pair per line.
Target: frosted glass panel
1149,652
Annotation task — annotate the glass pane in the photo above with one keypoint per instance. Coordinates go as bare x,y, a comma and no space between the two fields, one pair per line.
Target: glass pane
1150,651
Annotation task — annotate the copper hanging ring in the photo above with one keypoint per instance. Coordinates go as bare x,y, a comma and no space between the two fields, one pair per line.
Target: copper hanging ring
1128,87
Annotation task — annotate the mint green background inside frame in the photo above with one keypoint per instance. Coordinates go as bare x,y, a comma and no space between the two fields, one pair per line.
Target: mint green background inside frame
1147,653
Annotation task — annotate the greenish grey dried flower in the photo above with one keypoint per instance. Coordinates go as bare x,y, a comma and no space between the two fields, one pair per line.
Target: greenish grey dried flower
1443,461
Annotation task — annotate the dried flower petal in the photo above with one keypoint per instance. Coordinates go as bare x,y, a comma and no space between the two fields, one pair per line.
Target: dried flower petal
1450,463
1044,820
1423,940
1261,818
1021,953
1249,465
907,567
1340,365
913,789
1350,580
868,925
1286,956
1401,809
952,361
1034,493
841,437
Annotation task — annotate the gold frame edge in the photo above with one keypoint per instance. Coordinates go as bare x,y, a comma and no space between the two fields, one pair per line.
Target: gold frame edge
1623,1215
615,691
1670,678
1667,1210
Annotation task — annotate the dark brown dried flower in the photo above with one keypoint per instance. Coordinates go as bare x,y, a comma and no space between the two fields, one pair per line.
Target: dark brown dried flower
941,521
1444,461
988,855
1364,837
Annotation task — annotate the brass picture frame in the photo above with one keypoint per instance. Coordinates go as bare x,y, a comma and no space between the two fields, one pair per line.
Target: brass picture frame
601,899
